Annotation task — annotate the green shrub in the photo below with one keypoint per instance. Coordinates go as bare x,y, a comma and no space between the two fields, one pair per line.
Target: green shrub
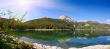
10,42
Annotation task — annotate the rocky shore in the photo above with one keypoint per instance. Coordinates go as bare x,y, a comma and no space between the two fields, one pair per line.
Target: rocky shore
40,46
95,47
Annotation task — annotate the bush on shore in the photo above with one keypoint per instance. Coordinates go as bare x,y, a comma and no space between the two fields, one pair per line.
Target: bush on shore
11,42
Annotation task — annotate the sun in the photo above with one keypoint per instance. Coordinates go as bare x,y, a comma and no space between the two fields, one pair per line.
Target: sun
27,5
24,2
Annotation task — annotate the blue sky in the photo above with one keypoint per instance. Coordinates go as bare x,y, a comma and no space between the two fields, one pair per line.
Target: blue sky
79,10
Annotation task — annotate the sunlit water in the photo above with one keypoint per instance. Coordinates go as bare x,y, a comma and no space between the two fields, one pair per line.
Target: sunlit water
65,39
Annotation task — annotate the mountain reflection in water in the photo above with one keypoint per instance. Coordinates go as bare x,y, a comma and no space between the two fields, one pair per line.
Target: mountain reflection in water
65,38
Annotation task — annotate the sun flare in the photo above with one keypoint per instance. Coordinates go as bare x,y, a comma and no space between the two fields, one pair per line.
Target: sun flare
25,3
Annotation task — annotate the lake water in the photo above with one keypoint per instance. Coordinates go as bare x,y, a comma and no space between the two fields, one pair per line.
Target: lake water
65,39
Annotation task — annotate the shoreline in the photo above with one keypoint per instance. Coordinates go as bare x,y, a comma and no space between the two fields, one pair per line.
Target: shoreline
94,47
41,46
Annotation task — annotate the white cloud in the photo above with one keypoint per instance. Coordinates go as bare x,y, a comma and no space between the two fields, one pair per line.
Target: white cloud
82,20
108,20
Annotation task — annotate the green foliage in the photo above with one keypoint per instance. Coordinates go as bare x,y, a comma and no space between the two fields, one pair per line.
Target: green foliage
10,42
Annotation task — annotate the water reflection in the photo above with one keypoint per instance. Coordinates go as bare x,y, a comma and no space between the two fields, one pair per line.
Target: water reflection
82,41
66,38
73,42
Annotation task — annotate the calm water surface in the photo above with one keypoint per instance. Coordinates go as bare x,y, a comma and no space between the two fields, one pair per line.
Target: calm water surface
65,38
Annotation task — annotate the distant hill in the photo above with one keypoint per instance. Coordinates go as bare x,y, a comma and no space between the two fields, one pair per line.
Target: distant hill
49,23
92,25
